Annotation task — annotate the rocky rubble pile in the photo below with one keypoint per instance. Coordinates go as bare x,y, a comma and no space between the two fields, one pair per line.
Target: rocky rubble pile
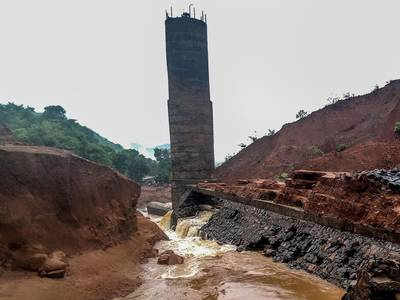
390,178
368,198
378,279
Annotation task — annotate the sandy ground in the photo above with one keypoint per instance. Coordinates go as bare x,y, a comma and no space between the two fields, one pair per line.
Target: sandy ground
94,275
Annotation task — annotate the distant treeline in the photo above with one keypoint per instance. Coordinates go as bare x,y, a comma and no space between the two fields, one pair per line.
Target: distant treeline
53,129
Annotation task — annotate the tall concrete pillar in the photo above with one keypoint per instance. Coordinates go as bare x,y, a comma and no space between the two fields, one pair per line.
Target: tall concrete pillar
189,107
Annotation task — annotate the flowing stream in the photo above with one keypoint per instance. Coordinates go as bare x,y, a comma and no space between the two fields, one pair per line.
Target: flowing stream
212,271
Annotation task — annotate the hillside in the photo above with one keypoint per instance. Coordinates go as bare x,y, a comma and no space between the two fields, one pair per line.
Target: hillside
352,134
149,151
53,129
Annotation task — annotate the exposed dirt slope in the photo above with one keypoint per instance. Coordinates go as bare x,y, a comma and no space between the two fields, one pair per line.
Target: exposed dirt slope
363,124
57,200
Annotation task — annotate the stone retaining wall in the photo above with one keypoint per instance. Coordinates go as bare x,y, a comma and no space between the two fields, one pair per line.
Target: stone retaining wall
327,252
298,213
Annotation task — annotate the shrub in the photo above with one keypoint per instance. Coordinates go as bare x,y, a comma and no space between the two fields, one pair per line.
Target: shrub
333,100
282,177
270,132
228,156
301,114
316,151
253,137
341,147
397,129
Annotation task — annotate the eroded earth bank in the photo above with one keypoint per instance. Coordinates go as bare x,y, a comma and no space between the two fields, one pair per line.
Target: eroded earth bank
68,227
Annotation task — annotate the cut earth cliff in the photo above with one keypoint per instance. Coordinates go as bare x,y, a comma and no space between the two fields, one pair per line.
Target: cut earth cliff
64,215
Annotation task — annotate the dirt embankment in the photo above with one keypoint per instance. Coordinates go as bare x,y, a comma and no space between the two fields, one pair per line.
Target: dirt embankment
52,200
60,201
367,198
350,135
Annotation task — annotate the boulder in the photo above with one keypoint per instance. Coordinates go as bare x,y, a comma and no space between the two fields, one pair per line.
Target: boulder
307,175
35,258
55,262
53,274
158,208
170,258
28,257
378,279
301,183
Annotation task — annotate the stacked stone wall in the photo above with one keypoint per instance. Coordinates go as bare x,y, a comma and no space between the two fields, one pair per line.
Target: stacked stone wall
329,253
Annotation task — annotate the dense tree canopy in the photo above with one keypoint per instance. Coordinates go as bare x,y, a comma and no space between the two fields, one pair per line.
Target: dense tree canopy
163,172
54,112
53,129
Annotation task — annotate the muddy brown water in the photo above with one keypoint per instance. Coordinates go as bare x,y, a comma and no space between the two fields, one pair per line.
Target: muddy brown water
212,271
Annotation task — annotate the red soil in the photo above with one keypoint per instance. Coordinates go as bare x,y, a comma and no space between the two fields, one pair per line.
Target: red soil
52,198
364,124
341,195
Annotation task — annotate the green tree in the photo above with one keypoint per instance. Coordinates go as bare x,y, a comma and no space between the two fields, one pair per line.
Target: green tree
53,129
253,137
163,157
131,163
397,129
271,132
301,114
54,112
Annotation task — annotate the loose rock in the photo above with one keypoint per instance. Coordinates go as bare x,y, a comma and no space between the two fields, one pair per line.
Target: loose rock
170,258
158,208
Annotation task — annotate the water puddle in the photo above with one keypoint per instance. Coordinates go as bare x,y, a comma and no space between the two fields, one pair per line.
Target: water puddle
213,271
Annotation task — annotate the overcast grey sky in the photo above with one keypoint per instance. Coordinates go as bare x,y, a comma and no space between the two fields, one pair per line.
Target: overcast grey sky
104,60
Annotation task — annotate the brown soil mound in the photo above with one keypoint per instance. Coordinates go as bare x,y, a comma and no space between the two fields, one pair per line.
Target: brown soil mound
53,200
94,275
363,125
